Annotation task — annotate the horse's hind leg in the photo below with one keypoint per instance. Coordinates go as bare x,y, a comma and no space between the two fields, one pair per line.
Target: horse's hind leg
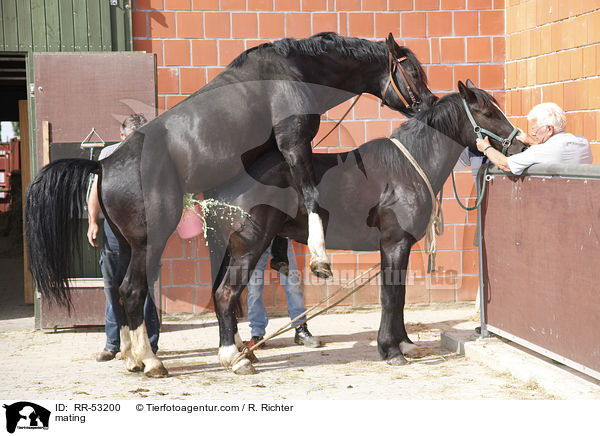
243,255
145,218
116,267
134,290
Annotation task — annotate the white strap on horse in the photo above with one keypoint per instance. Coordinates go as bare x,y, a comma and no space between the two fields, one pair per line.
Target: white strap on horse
436,220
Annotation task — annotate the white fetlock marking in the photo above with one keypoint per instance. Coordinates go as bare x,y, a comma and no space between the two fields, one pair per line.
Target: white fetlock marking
406,347
125,340
140,346
126,353
238,342
316,239
227,354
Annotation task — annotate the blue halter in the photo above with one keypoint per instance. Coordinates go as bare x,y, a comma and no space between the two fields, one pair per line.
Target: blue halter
480,131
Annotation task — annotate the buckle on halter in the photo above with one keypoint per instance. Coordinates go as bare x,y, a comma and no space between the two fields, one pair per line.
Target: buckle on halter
477,129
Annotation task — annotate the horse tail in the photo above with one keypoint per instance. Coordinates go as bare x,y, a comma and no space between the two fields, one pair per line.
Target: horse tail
56,201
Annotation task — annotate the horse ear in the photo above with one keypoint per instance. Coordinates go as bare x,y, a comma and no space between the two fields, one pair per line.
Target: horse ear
392,45
466,92
470,84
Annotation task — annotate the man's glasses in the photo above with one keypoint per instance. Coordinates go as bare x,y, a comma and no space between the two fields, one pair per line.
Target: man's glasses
536,130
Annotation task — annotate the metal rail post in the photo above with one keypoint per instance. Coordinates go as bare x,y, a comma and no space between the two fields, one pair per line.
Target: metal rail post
484,332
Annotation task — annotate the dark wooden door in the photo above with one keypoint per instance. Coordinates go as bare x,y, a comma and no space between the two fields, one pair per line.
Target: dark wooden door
75,92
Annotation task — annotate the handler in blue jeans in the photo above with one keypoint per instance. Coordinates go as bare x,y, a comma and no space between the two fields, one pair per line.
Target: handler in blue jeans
257,314
114,264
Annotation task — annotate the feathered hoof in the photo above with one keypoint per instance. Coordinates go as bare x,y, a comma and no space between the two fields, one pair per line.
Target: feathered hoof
133,366
321,269
157,372
398,360
244,367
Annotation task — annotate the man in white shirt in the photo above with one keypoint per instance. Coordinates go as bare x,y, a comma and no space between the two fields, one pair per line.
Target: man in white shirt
549,142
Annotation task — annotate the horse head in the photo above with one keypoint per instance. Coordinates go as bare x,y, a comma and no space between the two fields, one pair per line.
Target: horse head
405,86
487,119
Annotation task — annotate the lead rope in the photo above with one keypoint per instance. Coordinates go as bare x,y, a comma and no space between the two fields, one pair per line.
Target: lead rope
435,227
287,327
481,194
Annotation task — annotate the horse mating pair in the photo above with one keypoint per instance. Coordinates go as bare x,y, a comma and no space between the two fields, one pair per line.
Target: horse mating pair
245,139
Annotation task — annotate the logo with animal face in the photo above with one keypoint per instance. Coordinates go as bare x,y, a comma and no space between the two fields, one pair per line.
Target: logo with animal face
25,415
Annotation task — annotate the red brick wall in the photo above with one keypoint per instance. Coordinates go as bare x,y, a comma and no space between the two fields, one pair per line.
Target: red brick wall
554,55
454,39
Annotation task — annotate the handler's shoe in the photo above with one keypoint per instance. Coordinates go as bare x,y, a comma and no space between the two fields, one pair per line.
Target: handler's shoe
304,337
105,355
254,340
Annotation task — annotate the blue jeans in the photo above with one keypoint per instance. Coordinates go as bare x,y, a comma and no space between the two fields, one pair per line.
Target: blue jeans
257,314
114,267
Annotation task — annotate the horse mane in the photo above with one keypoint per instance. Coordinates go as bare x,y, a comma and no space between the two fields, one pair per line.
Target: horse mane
319,44
439,118
443,113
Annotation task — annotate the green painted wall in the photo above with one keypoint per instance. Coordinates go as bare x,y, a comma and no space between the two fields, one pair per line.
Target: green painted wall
65,25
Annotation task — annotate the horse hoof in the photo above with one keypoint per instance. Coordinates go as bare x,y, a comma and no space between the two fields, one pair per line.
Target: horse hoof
408,348
158,372
398,360
244,367
321,269
134,367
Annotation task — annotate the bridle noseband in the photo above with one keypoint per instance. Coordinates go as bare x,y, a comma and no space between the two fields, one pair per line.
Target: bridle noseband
396,64
480,131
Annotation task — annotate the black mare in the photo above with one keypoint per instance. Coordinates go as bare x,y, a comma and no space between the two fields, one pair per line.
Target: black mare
269,98
374,197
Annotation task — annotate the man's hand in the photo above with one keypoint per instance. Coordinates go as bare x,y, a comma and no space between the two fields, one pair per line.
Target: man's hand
525,138
92,233
482,144
93,212
497,158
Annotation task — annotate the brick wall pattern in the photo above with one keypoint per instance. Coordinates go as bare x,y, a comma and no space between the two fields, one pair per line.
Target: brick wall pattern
553,54
454,39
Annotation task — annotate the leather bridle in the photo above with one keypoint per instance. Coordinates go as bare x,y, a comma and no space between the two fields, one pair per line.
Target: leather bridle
396,65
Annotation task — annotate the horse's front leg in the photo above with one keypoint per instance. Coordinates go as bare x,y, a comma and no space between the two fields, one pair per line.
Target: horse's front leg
293,136
392,339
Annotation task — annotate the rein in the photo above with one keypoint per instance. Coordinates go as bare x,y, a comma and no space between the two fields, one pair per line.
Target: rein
410,86
435,226
339,121
480,131
408,83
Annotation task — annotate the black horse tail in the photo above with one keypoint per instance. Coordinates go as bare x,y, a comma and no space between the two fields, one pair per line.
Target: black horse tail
56,201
